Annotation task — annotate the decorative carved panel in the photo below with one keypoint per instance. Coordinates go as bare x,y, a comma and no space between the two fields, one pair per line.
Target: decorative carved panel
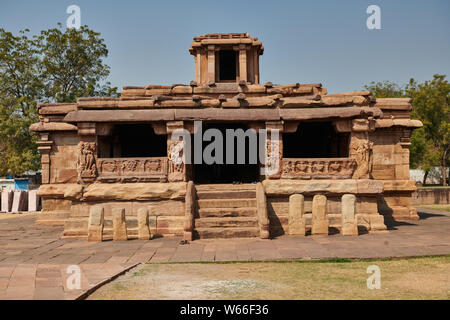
86,164
132,169
318,168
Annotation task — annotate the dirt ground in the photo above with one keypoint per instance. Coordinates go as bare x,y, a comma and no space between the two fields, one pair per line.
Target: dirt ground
415,278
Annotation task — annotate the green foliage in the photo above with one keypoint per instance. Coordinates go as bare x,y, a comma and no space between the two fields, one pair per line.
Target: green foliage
431,105
20,88
385,89
55,66
429,144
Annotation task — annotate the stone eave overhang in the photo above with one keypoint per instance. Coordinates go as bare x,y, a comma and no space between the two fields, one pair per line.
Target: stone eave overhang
220,114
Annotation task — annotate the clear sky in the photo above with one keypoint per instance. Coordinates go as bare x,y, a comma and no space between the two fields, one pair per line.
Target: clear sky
324,41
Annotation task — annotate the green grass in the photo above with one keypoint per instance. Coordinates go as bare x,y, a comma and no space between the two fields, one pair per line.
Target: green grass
412,278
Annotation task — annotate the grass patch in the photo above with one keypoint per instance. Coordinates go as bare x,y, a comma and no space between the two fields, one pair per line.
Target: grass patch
412,278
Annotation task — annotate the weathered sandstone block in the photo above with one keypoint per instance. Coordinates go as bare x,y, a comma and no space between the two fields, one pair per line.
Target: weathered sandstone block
348,209
33,200
143,225
7,199
262,212
19,201
134,191
296,214
319,215
119,224
95,226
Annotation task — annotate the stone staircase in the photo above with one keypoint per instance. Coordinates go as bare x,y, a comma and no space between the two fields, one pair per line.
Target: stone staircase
226,211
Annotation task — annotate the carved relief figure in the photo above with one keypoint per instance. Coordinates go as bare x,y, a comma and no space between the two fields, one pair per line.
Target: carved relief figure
152,166
362,151
86,164
129,166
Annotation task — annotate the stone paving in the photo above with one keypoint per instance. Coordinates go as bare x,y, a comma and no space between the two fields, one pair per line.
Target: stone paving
34,260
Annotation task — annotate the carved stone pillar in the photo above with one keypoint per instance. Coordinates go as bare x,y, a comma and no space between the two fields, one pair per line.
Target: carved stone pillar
242,62
87,153
44,147
402,159
211,64
274,149
175,153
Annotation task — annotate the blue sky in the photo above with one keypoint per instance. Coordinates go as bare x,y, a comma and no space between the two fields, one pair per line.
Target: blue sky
305,41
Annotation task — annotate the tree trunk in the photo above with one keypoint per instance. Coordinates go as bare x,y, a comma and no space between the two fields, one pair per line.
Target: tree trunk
444,168
444,175
425,177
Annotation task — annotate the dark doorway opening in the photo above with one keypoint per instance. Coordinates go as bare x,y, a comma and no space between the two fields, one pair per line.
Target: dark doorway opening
315,140
132,141
247,172
227,65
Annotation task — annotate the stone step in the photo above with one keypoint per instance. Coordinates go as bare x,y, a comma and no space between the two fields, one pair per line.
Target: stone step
226,203
222,194
243,232
52,218
227,212
225,187
228,222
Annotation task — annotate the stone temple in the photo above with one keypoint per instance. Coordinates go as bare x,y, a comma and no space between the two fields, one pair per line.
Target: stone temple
111,167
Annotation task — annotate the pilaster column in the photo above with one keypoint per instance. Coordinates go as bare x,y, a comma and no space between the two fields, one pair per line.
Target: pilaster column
198,67
274,149
243,62
211,63
44,147
175,153
87,153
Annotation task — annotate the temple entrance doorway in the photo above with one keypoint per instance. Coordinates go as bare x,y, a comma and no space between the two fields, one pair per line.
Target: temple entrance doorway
234,167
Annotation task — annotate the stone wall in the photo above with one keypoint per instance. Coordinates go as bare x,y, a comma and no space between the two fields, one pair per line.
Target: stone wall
431,196
366,191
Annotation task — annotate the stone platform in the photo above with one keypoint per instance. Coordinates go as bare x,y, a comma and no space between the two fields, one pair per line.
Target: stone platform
33,257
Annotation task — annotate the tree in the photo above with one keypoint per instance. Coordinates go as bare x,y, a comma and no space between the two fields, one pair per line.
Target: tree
20,88
72,64
431,106
55,66
385,89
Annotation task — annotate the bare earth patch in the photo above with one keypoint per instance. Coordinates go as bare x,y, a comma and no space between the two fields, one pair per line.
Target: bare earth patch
418,278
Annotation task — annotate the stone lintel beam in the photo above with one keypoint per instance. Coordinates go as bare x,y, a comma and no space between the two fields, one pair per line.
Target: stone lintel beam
52,126
117,192
311,187
119,116
325,113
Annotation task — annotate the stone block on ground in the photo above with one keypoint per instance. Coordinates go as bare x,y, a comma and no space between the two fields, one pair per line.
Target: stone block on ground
19,203
348,210
33,201
319,215
7,200
119,224
296,215
96,220
143,225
